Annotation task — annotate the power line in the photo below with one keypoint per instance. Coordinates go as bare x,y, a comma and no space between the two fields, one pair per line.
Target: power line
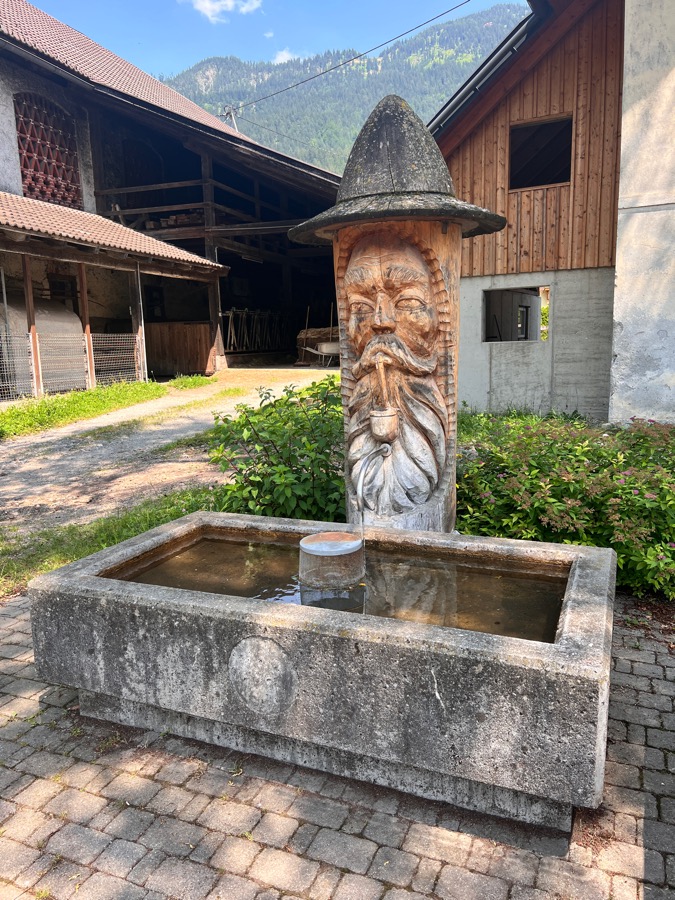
353,58
279,133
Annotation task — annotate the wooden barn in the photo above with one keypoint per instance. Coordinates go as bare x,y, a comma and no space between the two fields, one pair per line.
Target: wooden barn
565,131
85,131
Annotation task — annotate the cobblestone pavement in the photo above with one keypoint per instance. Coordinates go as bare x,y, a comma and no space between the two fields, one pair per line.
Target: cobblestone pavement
92,811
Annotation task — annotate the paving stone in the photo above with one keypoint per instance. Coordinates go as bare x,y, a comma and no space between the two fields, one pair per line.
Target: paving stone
132,789
120,857
424,879
232,887
38,793
635,754
567,878
356,887
75,806
658,836
79,775
458,884
62,881
105,887
518,892
172,836
448,846
319,811
308,780
213,783
636,862
385,829
634,803
512,864
44,764
195,807
398,894
324,885
342,850
79,844
14,858
232,818
179,770
275,798
235,855
624,888
622,775
169,801
274,830
302,838
206,847
182,879
146,867
7,809
283,870
660,783
130,824
667,809
393,866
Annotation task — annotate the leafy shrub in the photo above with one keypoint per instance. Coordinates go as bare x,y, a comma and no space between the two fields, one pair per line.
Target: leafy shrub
287,455
561,480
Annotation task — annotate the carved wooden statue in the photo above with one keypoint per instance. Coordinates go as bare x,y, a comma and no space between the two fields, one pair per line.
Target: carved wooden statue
396,232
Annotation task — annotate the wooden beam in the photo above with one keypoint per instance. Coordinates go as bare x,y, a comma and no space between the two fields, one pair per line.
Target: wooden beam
136,189
139,210
38,389
280,227
137,322
84,317
211,252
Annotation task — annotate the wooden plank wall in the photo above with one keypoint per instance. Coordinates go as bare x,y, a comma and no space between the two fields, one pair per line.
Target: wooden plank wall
565,226
178,348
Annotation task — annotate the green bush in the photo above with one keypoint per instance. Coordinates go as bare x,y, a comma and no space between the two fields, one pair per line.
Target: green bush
287,455
560,480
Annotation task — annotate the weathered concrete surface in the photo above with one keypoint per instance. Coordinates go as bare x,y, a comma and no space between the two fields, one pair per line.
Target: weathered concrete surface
643,367
570,371
91,810
441,712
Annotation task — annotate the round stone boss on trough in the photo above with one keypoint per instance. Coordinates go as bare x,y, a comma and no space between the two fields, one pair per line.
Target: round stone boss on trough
396,231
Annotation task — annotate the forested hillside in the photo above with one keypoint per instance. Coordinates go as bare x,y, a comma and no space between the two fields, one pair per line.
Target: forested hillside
322,118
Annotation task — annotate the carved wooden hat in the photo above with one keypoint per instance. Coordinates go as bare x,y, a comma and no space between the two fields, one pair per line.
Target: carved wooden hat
395,171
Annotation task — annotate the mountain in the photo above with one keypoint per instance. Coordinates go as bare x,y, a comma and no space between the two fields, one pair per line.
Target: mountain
318,121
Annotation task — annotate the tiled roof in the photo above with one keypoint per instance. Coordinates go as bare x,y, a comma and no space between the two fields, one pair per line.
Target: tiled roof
36,217
35,29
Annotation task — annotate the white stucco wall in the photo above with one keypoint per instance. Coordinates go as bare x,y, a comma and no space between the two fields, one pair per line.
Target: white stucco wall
14,79
643,368
569,372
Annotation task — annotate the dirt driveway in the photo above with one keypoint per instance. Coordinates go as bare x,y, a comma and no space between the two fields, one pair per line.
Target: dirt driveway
93,468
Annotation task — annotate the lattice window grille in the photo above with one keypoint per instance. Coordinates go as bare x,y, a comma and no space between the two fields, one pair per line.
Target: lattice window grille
47,151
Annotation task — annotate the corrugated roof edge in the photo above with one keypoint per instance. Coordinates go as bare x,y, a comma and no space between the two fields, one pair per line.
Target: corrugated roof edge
489,68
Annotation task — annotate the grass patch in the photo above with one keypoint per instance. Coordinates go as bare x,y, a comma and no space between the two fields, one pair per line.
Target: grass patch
29,416
23,558
189,382
201,441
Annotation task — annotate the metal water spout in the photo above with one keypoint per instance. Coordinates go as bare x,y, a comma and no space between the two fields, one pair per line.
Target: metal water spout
384,450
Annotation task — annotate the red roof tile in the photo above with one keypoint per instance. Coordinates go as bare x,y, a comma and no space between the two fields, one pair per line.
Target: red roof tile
33,28
35,217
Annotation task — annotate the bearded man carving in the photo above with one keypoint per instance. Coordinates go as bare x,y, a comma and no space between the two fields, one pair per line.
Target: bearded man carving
393,326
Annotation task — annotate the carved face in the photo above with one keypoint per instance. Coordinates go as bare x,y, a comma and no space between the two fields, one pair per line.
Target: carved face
389,291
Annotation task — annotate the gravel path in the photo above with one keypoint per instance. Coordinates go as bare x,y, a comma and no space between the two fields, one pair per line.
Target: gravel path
92,468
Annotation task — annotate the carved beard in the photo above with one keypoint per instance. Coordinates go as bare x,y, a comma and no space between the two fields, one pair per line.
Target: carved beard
409,476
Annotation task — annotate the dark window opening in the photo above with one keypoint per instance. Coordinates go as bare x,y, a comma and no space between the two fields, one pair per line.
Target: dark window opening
516,314
47,151
540,154
63,289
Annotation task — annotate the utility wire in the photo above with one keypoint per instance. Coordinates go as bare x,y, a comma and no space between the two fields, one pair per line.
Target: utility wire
353,58
279,133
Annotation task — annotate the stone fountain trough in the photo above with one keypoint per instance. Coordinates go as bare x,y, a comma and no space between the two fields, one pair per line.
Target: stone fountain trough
494,723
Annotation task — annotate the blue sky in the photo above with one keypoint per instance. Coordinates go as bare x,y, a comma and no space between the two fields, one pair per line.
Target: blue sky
168,36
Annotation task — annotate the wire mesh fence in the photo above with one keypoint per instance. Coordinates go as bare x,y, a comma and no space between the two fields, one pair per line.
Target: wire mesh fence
16,368
117,357
63,362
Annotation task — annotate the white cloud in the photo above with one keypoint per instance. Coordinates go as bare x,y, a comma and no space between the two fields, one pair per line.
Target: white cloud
284,55
269,34
215,10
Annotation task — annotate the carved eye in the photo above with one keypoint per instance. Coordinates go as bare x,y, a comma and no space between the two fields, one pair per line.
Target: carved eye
410,303
361,307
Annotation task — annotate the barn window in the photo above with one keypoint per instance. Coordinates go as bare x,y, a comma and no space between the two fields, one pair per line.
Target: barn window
47,151
540,154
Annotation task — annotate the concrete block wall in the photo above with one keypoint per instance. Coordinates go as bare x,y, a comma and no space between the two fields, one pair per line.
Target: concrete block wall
570,371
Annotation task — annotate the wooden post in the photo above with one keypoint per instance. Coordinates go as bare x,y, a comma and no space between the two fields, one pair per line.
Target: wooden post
84,318
211,252
38,389
137,322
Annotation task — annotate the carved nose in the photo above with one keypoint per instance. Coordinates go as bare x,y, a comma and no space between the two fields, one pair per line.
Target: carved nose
384,320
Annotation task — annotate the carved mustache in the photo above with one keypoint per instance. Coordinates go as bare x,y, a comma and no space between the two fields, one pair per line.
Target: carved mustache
392,347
